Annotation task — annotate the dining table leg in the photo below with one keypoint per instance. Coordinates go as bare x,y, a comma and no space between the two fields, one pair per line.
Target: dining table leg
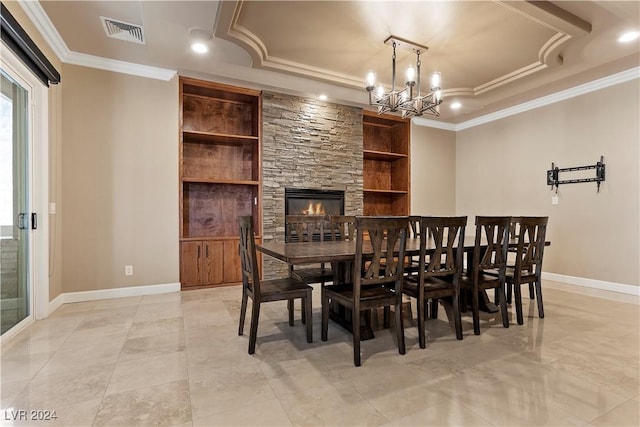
342,272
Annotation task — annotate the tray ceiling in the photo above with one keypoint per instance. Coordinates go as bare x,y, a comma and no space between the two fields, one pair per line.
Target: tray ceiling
492,54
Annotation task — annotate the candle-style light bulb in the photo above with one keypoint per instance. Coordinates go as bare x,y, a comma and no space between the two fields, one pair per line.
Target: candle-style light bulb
371,79
380,90
435,81
411,74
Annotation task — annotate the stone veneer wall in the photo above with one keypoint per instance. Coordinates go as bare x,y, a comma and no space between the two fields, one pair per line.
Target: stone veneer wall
307,143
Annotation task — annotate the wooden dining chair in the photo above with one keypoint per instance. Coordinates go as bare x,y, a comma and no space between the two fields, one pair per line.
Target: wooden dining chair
414,226
440,258
342,227
308,228
373,286
489,255
285,289
413,233
528,263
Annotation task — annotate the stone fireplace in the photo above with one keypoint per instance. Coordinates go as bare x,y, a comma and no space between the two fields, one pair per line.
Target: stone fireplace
307,144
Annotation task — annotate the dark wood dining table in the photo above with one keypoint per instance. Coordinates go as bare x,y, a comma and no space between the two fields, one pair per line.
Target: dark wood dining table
340,252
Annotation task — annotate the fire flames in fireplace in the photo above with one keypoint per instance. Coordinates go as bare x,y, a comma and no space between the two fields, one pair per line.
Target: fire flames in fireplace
314,209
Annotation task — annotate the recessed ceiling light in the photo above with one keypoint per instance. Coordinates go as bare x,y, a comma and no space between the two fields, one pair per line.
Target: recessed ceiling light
200,39
199,47
322,97
629,36
455,105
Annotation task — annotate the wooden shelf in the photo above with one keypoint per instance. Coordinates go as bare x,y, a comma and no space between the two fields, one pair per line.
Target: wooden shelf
382,191
382,155
218,138
197,239
220,181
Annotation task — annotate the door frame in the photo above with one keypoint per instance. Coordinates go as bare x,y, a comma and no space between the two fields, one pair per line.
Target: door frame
38,186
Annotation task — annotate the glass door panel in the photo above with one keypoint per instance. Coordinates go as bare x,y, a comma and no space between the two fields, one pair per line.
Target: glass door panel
15,217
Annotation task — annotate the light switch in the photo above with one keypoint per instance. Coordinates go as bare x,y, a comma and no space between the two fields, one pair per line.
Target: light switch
554,200
52,208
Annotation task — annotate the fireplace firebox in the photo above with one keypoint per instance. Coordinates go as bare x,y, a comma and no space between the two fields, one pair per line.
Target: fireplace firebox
313,202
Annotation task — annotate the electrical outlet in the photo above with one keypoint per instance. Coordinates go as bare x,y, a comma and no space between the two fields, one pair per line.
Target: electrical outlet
128,270
554,200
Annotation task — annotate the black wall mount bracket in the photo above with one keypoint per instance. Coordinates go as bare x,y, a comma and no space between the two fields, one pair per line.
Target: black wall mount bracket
553,174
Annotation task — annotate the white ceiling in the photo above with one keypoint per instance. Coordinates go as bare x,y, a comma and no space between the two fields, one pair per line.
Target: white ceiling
492,54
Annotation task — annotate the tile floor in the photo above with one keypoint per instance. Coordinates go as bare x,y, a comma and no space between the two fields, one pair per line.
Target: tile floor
176,359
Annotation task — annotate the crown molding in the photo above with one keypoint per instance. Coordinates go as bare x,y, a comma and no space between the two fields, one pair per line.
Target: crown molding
614,79
421,121
117,66
39,17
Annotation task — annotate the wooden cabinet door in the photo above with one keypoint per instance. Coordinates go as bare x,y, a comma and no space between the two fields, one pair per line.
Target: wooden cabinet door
232,272
190,263
232,267
213,266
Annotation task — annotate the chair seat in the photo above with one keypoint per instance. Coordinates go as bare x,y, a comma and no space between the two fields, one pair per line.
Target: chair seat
345,290
313,275
526,276
433,286
282,287
486,280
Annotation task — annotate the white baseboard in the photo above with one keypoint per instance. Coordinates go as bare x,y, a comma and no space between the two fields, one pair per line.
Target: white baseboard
55,303
595,284
112,293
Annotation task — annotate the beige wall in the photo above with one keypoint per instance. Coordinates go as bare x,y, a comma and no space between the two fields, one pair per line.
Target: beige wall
119,180
433,171
55,118
501,170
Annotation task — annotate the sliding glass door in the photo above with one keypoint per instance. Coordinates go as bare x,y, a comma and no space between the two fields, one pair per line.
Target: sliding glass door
16,220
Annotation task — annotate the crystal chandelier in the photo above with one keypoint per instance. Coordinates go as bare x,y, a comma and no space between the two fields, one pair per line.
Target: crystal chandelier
405,100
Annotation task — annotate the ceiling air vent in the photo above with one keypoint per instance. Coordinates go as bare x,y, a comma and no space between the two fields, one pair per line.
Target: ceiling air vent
123,30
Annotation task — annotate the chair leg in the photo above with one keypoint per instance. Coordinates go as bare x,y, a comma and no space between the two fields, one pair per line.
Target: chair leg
355,324
303,310
422,308
502,300
476,312
243,312
400,327
518,298
253,332
290,307
308,310
531,291
434,308
410,312
509,292
386,322
325,315
457,319
539,298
